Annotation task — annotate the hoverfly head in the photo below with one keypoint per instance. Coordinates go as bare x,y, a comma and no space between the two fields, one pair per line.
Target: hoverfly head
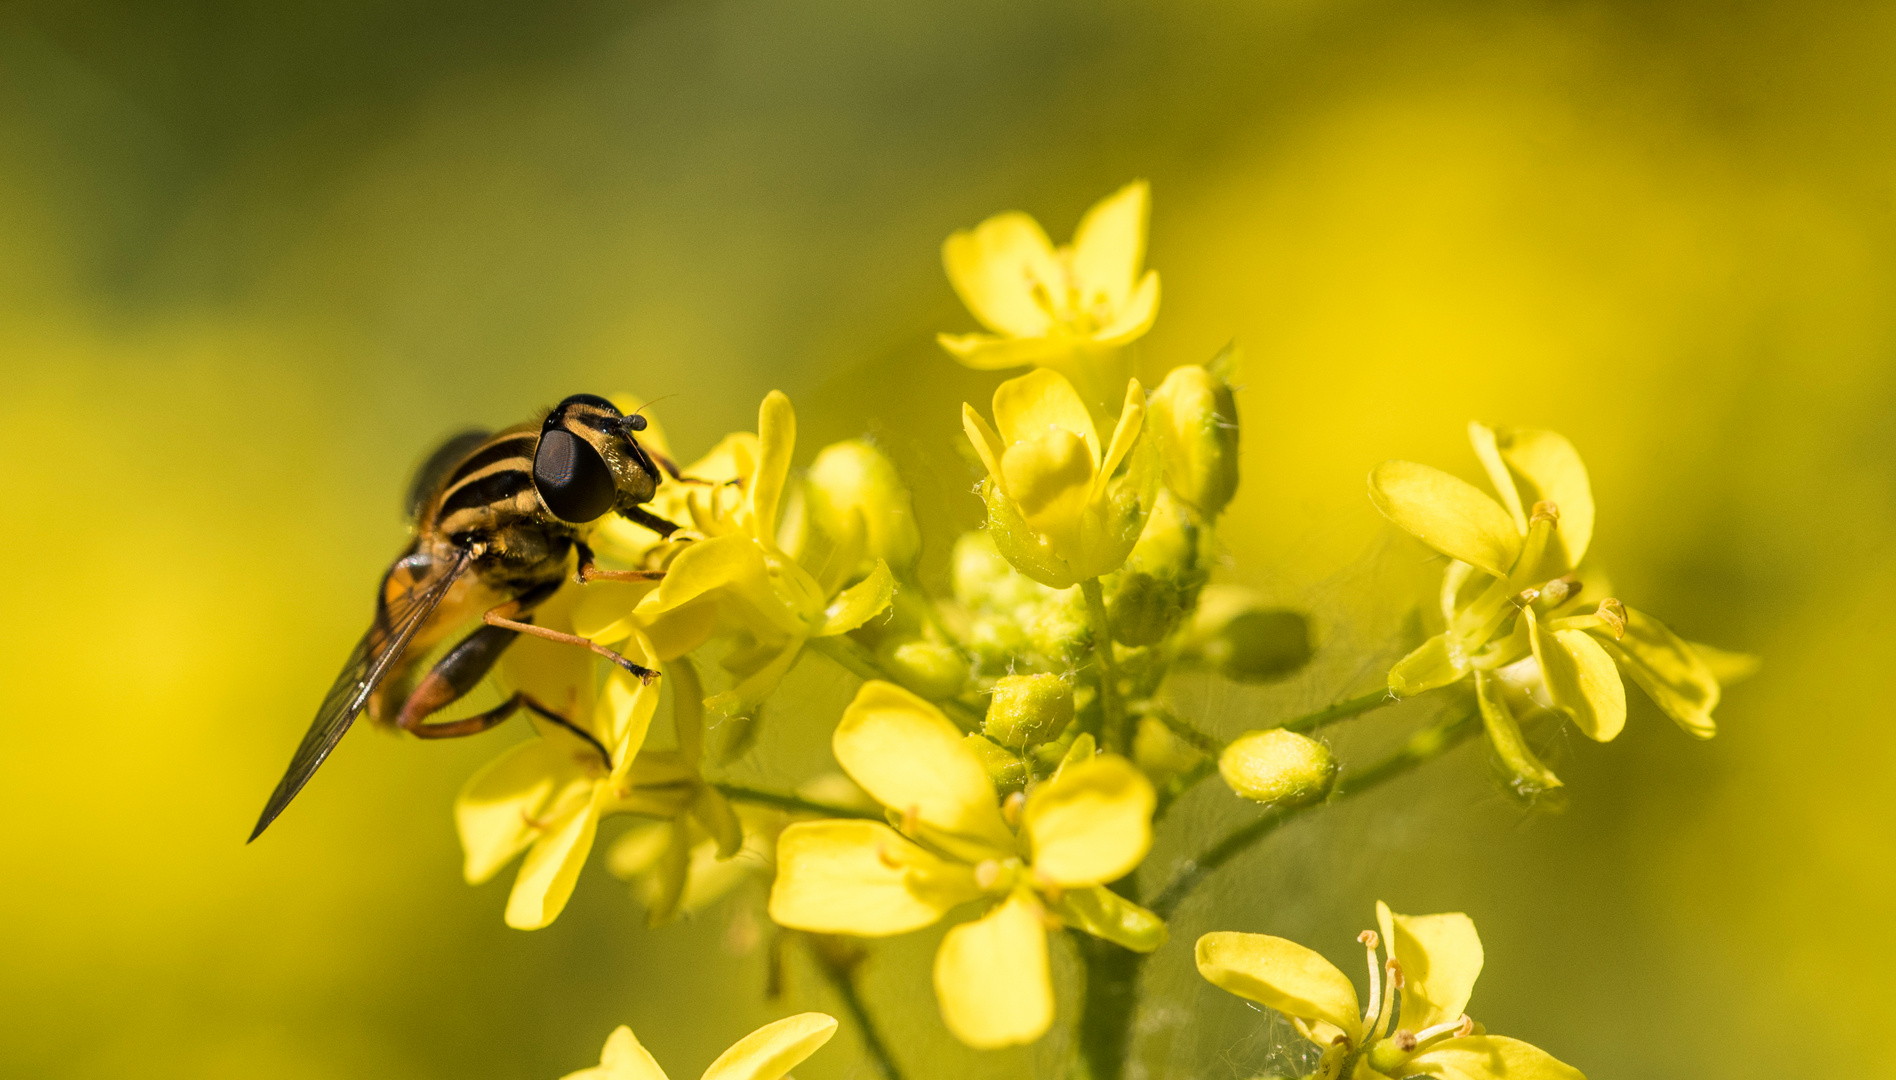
587,461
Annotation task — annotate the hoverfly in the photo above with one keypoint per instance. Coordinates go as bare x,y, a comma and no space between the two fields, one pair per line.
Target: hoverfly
495,517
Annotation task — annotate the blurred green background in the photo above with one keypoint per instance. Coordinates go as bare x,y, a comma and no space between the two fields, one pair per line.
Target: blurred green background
254,259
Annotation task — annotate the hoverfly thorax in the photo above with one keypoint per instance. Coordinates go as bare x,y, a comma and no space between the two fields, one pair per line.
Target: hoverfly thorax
588,462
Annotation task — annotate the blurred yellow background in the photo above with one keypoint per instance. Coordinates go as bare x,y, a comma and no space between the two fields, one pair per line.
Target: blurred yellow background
255,259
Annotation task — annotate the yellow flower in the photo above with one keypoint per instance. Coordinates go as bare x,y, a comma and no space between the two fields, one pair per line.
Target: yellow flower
1515,606
769,1053
545,796
695,851
1055,508
759,587
1068,308
1432,964
1036,861
1195,419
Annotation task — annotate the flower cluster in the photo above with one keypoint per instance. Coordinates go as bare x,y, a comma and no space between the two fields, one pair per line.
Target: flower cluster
1015,743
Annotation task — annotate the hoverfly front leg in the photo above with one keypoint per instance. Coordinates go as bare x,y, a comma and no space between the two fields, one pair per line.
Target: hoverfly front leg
586,572
496,618
641,516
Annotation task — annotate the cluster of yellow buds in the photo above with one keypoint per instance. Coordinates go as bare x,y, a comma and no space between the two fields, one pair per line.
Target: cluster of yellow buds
1014,744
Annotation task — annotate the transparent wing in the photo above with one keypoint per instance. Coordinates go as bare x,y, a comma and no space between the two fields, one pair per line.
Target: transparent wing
368,665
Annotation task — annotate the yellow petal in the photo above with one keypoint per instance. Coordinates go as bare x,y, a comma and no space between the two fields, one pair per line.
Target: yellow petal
1050,477
777,438
1091,824
1282,975
1440,957
1671,672
991,978
638,850
774,1049
1483,438
1027,407
1104,913
1727,667
1446,513
909,758
623,1059
1580,678
1428,667
1547,468
987,443
859,603
1528,776
1136,316
749,694
1109,246
995,268
623,715
860,877
704,565
985,352
1125,433
495,811
552,867
1491,1057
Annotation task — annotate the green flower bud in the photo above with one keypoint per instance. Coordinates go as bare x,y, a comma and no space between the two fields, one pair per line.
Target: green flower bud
1007,769
929,668
1028,709
983,580
1195,417
1246,640
1056,624
853,477
1278,766
1160,753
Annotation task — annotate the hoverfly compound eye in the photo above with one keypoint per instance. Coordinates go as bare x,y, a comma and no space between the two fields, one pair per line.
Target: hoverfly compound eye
571,477
635,422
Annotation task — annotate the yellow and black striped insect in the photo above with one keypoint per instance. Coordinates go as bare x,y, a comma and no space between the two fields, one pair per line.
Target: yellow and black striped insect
495,518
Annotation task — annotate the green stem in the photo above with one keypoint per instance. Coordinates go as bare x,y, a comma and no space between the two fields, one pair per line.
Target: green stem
863,664
1425,745
842,979
793,803
1111,996
1342,710
1113,735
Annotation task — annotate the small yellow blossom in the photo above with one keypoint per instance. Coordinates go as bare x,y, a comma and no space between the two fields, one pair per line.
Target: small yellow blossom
1067,308
769,1053
1432,964
1515,601
1035,862
1195,419
1055,508
545,796
758,586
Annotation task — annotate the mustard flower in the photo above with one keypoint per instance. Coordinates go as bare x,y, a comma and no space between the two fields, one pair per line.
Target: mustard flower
1195,418
1514,600
769,1053
545,796
1067,308
760,587
1432,962
1037,861
1055,508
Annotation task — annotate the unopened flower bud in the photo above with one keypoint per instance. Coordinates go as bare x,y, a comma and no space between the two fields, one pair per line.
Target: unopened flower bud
1195,417
854,477
1029,709
1160,753
929,668
1005,768
1278,766
1247,640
